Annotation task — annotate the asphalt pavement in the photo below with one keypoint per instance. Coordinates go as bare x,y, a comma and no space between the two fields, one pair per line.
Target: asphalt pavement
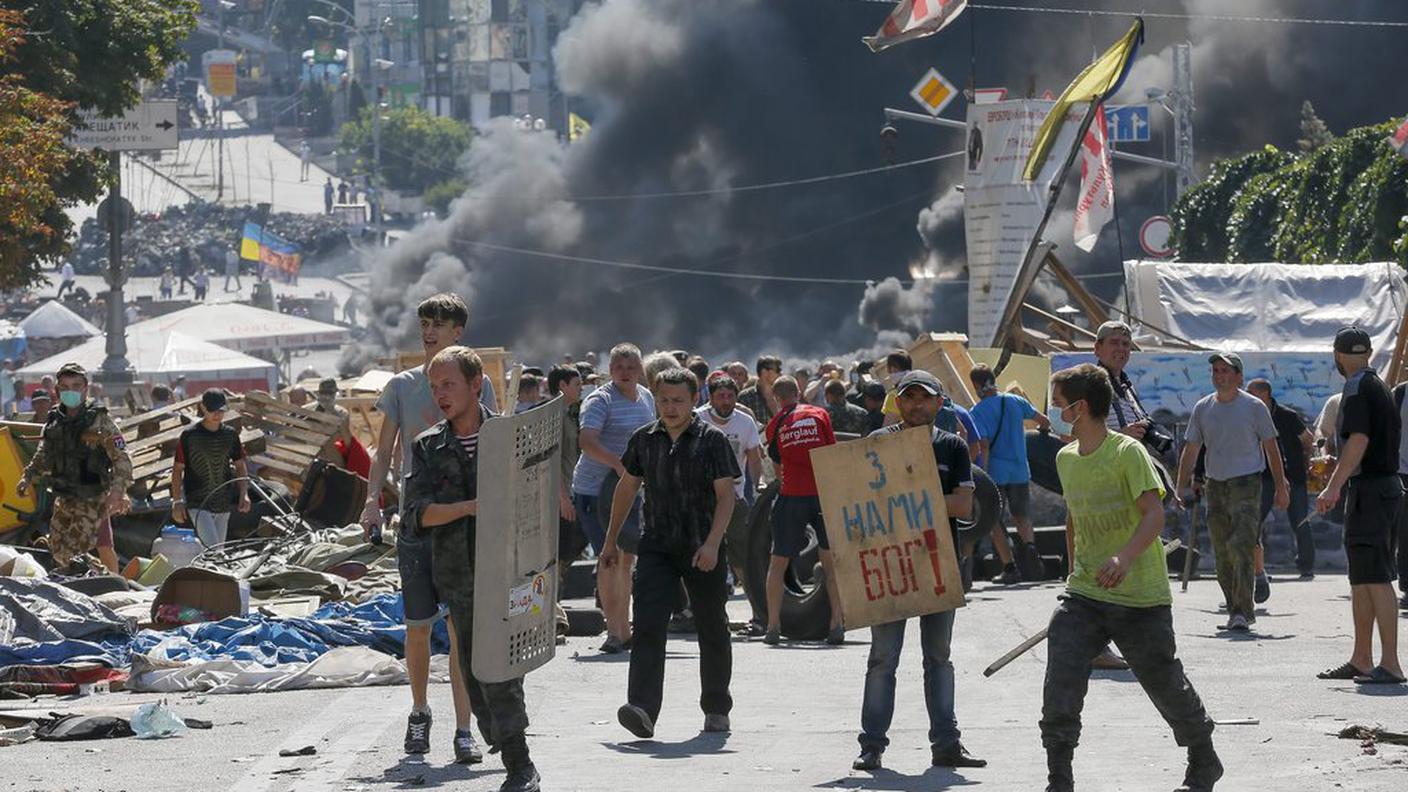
796,715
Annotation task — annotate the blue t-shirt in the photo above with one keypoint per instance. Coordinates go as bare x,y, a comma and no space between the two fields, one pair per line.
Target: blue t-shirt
608,411
1007,445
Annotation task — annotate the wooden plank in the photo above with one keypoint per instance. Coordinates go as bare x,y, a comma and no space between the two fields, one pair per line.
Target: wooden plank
888,526
264,460
287,455
161,412
1400,349
171,434
261,399
272,426
1094,314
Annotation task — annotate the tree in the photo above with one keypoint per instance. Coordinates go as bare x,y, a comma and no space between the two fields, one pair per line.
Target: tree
1345,200
60,56
418,149
1314,132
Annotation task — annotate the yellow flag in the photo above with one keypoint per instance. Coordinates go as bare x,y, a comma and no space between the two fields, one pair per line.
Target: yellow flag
577,127
1094,84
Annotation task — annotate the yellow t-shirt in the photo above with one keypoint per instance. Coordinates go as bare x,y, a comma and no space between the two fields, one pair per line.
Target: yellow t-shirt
890,408
1101,491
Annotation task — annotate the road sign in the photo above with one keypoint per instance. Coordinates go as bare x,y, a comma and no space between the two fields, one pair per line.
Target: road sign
1127,123
1154,236
933,92
126,217
220,73
150,126
989,95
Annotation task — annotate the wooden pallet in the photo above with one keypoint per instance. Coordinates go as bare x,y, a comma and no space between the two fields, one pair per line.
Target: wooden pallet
294,436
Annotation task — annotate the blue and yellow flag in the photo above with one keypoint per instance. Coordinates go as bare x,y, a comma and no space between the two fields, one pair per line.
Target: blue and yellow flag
249,242
1095,84
279,254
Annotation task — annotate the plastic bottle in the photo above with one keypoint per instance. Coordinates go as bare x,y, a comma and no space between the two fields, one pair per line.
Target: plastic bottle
179,545
155,720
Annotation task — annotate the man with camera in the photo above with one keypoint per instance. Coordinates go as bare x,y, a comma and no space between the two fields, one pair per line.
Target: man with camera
1113,343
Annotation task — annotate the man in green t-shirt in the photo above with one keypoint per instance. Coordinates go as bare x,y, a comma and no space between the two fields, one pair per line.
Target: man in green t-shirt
1117,588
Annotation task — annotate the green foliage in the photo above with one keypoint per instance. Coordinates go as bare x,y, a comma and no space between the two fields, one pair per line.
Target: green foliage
418,149
1342,200
438,196
83,54
1314,132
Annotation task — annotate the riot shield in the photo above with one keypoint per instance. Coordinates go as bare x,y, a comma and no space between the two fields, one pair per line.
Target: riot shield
515,570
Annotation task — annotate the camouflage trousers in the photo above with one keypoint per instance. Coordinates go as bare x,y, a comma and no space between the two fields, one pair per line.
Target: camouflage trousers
1234,520
73,530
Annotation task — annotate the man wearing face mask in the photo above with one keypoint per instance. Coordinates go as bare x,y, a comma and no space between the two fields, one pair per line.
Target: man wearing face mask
84,458
742,432
1118,584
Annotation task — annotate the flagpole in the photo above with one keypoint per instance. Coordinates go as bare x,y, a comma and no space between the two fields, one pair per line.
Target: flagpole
1011,312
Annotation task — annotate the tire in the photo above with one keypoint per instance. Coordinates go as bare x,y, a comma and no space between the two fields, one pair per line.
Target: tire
806,610
1041,459
987,507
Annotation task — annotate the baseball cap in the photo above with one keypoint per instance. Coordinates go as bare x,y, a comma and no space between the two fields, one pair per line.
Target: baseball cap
1113,327
214,399
1230,358
923,379
1352,340
72,368
327,387
875,390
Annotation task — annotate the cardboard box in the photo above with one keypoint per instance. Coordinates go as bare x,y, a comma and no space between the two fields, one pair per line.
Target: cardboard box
215,593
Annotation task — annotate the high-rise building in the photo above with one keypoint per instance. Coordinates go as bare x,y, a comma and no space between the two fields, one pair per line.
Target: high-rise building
489,58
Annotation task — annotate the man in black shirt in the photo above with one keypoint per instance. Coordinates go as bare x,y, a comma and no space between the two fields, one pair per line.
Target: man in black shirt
208,456
917,396
687,467
1369,430
1296,449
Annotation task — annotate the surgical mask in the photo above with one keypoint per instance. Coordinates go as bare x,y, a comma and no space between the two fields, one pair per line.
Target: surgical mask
70,398
1059,425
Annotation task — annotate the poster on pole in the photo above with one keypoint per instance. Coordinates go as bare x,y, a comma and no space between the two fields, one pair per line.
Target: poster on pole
1001,212
220,78
888,527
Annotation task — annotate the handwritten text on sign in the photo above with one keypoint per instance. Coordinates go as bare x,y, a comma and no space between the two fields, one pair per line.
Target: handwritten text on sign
884,511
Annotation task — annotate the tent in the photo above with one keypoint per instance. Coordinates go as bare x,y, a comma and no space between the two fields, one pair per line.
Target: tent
54,320
155,358
244,328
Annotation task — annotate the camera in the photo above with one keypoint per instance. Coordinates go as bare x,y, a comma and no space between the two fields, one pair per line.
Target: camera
1158,439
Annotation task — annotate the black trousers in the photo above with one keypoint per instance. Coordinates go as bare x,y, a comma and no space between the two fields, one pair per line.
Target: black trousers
498,706
1079,629
658,576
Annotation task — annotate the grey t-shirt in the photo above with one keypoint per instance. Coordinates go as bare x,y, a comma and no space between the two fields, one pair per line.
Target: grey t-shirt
1233,433
607,411
407,401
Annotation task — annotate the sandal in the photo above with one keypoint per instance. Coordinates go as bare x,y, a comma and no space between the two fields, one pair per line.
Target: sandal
1346,671
1379,676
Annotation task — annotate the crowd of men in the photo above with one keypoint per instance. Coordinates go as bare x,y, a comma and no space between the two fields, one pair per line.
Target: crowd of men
664,455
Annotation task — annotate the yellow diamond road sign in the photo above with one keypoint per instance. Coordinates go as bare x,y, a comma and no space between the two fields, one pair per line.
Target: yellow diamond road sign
934,92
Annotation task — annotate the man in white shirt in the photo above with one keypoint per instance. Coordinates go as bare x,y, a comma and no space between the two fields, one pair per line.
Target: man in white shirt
66,280
742,433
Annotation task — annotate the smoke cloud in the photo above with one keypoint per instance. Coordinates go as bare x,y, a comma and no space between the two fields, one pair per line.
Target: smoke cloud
688,96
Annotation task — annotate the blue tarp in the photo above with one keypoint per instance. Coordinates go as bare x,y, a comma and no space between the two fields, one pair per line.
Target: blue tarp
268,641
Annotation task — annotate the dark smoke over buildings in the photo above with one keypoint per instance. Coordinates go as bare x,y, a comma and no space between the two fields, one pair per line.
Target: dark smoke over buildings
689,96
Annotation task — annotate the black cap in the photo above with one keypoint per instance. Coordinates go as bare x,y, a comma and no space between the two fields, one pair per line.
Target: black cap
214,399
1352,340
875,390
923,379
328,387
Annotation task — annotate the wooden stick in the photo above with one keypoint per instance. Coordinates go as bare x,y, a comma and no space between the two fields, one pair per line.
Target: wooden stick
1192,545
1025,646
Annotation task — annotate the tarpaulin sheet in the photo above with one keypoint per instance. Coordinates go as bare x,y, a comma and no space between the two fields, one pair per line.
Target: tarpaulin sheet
1269,307
345,666
41,611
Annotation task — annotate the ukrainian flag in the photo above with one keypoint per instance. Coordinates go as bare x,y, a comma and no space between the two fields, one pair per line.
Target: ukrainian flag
1095,84
249,242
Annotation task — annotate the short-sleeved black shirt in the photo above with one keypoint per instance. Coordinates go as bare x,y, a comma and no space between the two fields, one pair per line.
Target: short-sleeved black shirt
951,456
1289,428
206,457
679,478
1367,408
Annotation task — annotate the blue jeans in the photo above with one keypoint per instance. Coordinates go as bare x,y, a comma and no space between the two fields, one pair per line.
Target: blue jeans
878,709
1296,512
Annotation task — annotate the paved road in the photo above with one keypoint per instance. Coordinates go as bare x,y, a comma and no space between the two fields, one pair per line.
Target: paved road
796,715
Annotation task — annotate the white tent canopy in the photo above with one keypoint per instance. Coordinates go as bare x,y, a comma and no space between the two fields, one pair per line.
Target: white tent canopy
1268,307
244,328
162,359
54,320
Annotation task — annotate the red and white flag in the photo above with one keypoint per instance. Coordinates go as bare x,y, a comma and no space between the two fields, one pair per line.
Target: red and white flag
1399,139
1097,185
914,19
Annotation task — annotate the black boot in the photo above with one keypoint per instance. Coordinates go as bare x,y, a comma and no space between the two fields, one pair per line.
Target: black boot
1030,563
965,573
522,775
1204,768
1059,776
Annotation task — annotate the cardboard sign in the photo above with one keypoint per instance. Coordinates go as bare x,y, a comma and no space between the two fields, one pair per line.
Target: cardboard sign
888,527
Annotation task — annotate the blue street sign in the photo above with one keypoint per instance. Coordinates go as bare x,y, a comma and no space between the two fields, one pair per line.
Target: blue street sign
1127,123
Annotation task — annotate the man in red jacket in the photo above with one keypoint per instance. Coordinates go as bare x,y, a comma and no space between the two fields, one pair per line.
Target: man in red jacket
791,435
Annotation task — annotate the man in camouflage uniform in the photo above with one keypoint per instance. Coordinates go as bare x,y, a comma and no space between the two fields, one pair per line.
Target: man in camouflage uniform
84,459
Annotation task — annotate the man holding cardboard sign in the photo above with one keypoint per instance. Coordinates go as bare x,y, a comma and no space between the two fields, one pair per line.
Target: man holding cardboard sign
894,556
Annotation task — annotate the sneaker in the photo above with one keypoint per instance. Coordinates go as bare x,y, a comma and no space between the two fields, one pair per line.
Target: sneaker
1403,603
956,756
1308,576
772,637
636,720
1009,576
837,636
1238,623
716,723
869,759
466,749
522,778
682,622
418,733
613,645
1262,592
